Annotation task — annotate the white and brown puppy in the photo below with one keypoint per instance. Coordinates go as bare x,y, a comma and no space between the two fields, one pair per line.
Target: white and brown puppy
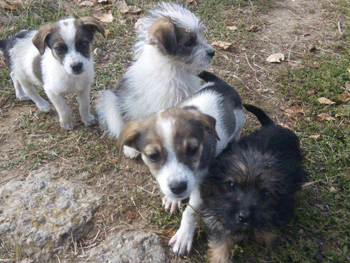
169,54
178,144
57,57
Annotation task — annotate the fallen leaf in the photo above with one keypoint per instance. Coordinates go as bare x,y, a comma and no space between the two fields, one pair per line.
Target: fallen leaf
344,97
275,58
104,17
222,44
293,63
347,86
325,101
122,6
86,4
262,50
292,111
325,117
306,35
232,28
332,189
134,10
10,4
310,91
253,28
315,136
131,214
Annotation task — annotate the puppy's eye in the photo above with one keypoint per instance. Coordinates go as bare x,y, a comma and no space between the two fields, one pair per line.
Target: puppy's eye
191,150
153,157
265,194
83,44
231,184
60,49
189,43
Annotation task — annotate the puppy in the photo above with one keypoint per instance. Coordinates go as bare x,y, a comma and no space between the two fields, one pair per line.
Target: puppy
57,57
169,54
250,187
178,144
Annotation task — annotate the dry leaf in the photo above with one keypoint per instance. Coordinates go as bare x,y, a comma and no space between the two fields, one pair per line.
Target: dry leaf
122,6
292,111
332,189
131,214
325,117
347,86
294,63
325,101
310,91
86,4
275,58
134,10
344,97
253,28
10,4
104,17
315,136
221,44
232,28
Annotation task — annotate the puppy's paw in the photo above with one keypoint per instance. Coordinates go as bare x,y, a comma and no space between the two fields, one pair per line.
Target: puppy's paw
182,240
130,152
44,106
171,204
88,120
68,124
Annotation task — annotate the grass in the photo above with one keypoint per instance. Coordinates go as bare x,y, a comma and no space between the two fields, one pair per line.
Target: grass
320,229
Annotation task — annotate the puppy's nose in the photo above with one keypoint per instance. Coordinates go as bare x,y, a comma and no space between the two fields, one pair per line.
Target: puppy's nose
244,217
211,52
178,187
77,67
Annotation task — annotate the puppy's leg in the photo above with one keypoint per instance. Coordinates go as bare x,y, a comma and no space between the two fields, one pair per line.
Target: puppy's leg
84,106
219,249
171,204
20,94
29,89
64,112
182,240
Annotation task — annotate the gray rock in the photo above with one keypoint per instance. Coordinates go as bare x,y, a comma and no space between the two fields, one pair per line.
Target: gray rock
44,213
129,247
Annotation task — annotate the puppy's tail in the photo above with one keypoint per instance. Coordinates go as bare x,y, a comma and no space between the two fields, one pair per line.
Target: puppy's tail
260,114
108,112
209,77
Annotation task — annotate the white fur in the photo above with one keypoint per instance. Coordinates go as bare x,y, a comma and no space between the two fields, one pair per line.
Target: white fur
57,79
154,81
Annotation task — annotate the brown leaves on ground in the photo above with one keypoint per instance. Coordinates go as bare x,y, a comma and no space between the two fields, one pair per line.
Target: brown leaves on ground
325,101
275,58
222,44
10,4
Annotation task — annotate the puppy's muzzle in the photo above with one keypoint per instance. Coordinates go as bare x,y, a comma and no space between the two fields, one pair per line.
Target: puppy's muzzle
244,217
178,188
77,68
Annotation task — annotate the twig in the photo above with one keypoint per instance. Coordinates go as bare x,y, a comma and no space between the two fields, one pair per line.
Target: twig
317,181
340,28
256,77
59,261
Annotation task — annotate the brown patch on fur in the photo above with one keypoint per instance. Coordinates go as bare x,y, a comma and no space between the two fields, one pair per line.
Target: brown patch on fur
39,40
92,24
219,250
37,68
162,34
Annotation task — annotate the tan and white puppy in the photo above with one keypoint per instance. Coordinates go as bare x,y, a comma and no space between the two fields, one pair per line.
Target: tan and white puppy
178,144
57,57
169,54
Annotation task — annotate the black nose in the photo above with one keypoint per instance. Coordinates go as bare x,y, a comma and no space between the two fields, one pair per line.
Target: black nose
77,67
211,52
244,217
178,187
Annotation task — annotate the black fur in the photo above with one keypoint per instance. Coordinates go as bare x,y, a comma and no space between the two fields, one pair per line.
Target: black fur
250,189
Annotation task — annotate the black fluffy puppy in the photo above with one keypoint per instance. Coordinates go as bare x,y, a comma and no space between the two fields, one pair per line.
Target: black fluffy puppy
249,192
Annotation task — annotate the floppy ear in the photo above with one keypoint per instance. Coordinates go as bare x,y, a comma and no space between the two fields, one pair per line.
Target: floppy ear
128,136
39,40
162,34
206,121
92,24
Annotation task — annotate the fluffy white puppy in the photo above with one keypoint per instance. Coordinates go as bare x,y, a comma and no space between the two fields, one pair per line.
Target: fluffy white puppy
169,54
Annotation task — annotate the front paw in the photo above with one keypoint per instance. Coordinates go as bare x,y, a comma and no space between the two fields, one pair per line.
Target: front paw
44,106
88,120
67,124
171,204
182,240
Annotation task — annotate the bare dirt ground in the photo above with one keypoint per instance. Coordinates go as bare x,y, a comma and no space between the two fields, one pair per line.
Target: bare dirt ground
30,139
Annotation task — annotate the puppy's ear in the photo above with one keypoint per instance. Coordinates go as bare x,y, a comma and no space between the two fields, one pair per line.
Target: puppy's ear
206,121
92,24
128,136
39,40
162,34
